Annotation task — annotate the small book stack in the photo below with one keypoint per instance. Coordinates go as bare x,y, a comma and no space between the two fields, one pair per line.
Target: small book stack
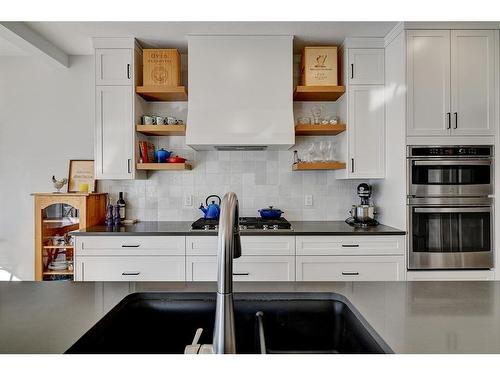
146,152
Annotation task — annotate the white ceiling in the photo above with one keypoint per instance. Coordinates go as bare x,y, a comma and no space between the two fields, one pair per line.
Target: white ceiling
74,38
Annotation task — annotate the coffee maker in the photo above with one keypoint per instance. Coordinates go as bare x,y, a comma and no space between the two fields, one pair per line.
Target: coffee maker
363,214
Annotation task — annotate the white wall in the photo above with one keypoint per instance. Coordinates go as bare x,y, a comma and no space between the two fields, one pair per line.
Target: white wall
46,119
390,192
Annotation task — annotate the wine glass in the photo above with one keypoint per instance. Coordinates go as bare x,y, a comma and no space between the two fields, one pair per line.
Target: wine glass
323,150
316,111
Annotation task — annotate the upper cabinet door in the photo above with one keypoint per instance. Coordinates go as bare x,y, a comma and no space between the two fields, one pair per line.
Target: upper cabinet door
366,66
113,66
114,134
366,131
428,77
473,55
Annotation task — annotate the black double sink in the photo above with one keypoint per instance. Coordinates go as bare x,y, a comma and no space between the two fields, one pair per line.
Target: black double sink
164,323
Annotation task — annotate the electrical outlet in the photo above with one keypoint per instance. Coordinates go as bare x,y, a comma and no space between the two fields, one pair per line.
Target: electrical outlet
188,200
308,200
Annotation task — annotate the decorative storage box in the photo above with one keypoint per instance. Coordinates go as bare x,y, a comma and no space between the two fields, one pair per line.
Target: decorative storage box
162,67
319,66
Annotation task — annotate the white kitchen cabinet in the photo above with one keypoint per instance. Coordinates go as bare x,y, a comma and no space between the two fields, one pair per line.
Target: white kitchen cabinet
130,245
113,66
455,275
114,136
362,108
245,268
473,81
351,245
452,82
428,78
350,258
130,268
366,131
350,268
250,245
264,258
130,258
366,66
118,65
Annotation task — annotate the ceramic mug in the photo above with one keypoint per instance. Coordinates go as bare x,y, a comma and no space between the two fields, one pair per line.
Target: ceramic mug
159,120
171,120
148,120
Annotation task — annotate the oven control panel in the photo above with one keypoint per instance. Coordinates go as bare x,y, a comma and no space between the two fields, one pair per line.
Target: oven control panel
451,151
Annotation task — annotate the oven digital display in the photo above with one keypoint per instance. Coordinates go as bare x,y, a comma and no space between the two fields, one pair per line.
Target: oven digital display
451,151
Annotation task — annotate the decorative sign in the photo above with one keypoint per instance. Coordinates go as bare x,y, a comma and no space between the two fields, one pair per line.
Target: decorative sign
319,66
81,176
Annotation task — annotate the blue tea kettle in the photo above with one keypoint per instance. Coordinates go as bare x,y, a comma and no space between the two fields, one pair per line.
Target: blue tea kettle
212,211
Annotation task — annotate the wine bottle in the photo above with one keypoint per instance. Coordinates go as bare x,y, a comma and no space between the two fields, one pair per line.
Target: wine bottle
123,206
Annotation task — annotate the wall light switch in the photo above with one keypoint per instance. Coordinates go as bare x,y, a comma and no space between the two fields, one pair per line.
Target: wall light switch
308,200
188,200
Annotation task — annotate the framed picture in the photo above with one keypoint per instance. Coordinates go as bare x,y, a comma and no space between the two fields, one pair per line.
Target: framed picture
81,172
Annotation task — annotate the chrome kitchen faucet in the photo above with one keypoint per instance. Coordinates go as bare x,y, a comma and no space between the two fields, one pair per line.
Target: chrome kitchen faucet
229,248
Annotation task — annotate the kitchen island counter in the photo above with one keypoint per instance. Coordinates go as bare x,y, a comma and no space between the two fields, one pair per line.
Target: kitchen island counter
183,228
411,317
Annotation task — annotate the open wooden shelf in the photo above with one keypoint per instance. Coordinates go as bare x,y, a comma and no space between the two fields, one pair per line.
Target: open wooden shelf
320,165
309,129
318,93
162,129
52,229
164,166
163,94
57,272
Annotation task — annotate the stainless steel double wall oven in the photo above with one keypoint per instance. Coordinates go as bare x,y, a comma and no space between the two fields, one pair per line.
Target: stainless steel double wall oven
450,209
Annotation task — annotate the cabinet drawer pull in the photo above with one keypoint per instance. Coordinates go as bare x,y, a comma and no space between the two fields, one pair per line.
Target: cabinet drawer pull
131,273
350,273
241,273
354,245
131,245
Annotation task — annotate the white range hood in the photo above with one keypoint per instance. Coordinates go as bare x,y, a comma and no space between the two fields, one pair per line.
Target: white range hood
240,92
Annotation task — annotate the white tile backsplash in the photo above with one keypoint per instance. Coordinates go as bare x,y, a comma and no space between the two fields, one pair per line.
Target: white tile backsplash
260,179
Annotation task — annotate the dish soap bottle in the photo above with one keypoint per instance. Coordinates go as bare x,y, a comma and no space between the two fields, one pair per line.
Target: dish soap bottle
123,206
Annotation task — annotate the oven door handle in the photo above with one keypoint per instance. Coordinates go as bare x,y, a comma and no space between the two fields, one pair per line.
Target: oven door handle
453,162
451,209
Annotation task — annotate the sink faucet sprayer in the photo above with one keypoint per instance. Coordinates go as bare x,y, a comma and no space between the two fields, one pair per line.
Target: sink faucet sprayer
229,248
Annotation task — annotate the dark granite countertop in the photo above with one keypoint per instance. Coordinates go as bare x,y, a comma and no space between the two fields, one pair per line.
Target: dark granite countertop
183,228
411,317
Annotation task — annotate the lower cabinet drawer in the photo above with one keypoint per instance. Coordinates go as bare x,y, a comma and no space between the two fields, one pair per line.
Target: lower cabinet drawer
160,268
246,268
348,268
